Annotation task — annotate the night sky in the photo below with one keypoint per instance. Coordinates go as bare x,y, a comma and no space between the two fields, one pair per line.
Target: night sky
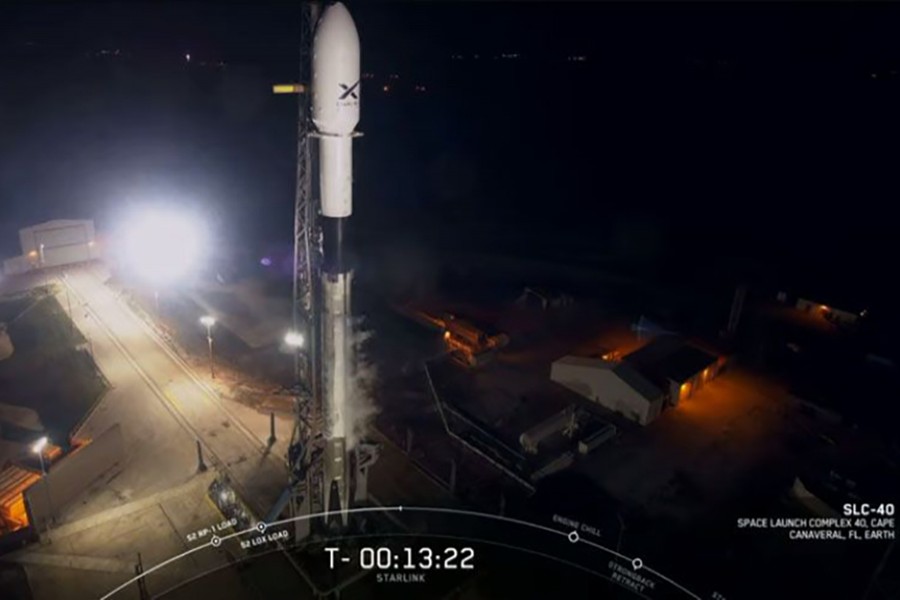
691,136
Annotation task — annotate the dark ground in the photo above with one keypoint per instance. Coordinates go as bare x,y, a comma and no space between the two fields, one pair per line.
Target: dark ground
48,372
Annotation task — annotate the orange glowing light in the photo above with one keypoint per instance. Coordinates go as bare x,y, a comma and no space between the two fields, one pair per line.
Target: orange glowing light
446,335
288,88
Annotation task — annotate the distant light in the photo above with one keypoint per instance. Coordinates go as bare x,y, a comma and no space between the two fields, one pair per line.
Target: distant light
265,261
91,244
386,88
162,245
39,445
33,253
208,320
446,335
187,58
823,308
294,339
288,88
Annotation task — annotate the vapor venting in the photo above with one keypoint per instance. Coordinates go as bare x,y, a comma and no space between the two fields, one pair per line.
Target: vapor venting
361,406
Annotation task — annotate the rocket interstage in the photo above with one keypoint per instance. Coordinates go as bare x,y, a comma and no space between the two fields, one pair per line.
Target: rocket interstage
335,113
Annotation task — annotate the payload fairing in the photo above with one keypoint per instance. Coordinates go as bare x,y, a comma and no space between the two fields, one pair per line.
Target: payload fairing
335,113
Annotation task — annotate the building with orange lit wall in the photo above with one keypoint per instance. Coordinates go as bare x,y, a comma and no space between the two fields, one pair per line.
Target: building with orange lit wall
675,365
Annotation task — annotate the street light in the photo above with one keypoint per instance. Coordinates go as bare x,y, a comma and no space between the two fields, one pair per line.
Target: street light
209,321
38,448
294,339
65,282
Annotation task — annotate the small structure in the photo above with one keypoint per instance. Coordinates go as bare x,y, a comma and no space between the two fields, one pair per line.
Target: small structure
53,244
6,345
595,435
471,345
14,480
617,386
564,422
19,423
675,366
830,313
543,298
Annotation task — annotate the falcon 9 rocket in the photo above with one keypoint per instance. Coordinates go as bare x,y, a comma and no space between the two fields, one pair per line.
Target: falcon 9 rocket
335,113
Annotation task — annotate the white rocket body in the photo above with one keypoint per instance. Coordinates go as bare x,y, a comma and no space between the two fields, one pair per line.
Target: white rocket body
335,113
335,106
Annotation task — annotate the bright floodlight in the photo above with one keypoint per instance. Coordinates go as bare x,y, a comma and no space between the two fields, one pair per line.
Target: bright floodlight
294,339
208,320
162,245
39,445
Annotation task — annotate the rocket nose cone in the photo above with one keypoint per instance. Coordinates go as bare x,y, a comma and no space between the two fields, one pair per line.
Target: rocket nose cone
337,24
335,72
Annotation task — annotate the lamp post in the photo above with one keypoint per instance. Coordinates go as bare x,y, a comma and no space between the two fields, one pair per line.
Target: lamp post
209,321
38,448
295,341
65,282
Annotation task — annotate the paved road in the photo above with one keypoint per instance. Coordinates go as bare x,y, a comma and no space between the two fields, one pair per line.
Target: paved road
163,405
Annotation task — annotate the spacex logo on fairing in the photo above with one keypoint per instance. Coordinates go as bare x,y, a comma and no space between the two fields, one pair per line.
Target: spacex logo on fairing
348,91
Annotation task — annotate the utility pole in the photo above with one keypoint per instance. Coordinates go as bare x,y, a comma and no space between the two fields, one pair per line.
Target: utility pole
38,448
65,282
209,321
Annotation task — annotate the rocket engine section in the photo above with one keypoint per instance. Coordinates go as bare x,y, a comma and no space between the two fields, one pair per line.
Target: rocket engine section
335,113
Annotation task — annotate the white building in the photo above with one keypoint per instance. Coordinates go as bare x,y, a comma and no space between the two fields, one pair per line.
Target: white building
617,386
53,244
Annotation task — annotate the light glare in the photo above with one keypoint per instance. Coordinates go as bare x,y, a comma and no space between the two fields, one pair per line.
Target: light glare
39,445
162,246
294,339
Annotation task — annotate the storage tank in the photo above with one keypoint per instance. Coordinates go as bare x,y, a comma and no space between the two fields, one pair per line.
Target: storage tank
562,421
596,438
